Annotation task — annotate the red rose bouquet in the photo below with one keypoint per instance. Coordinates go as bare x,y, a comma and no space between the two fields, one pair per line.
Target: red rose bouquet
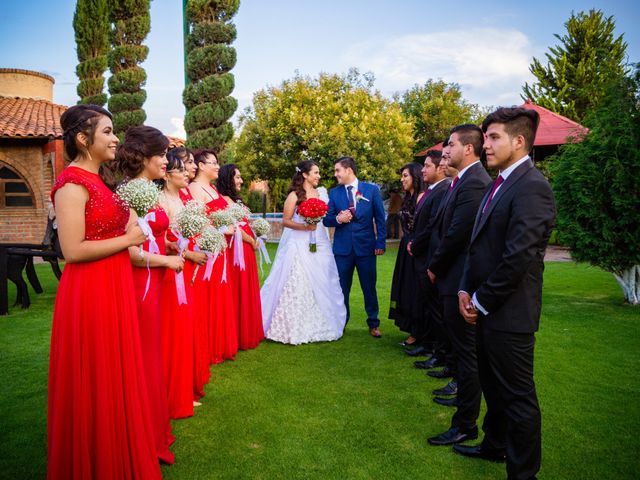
312,210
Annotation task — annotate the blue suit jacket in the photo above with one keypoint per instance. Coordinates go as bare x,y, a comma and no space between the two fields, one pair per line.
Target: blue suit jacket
358,235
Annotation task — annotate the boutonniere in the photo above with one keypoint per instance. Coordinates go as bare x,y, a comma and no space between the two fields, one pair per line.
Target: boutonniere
359,197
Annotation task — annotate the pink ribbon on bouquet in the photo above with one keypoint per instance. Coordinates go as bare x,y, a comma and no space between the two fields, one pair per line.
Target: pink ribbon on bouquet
183,243
238,252
153,245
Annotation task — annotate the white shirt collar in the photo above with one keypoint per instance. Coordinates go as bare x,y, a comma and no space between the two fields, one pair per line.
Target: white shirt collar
355,186
461,172
508,171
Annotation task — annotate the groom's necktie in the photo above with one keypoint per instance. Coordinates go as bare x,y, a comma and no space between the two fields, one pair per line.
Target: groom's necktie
352,204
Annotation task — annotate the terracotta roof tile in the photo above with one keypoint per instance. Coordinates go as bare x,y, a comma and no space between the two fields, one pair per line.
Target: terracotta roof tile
29,118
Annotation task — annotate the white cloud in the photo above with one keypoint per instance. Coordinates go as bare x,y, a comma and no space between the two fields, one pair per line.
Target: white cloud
178,124
489,64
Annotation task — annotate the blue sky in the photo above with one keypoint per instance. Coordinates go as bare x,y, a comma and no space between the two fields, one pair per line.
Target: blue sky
486,47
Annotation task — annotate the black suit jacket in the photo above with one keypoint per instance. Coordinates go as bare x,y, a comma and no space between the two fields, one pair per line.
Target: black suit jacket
506,253
453,226
423,226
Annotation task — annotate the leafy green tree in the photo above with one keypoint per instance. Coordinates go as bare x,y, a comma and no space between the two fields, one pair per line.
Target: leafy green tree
434,108
131,24
597,187
578,69
322,119
209,61
91,26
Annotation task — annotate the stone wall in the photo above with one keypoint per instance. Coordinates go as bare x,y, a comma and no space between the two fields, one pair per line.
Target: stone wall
27,224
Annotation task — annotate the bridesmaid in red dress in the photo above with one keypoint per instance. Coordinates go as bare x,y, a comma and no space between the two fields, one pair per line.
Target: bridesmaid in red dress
177,300
99,426
142,155
200,294
246,281
223,324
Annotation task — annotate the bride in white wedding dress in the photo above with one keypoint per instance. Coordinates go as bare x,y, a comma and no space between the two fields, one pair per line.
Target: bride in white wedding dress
302,301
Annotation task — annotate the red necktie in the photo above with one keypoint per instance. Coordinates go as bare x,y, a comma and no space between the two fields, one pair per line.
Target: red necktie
352,205
453,184
496,184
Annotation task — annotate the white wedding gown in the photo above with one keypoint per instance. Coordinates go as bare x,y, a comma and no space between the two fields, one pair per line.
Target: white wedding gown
302,301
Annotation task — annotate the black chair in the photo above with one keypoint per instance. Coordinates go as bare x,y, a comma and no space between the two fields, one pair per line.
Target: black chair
16,257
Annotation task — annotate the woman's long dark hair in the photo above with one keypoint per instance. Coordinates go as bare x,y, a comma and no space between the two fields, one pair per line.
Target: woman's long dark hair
415,170
83,119
139,143
297,182
226,184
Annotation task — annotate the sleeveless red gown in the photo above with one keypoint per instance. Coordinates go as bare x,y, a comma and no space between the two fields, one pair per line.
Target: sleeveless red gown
177,342
223,326
99,425
246,286
149,320
200,313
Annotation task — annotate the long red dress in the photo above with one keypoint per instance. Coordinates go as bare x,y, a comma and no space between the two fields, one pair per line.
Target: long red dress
247,290
99,425
223,326
178,341
200,313
149,321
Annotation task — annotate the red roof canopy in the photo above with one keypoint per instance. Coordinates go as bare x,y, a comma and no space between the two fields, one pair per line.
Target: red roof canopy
554,129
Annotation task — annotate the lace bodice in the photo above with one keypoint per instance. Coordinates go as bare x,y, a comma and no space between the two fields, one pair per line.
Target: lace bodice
106,216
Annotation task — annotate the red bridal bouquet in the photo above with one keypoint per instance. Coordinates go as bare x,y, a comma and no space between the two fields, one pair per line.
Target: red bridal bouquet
313,210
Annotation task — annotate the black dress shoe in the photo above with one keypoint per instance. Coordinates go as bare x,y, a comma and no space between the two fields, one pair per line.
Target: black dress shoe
447,402
450,388
430,363
454,435
476,451
444,373
415,352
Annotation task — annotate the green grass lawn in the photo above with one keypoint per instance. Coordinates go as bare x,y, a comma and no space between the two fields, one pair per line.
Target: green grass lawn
356,408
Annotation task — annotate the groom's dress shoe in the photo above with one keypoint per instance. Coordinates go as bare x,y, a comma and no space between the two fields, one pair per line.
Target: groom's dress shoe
444,373
375,332
416,352
427,364
447,402
454,435
476,451
450,388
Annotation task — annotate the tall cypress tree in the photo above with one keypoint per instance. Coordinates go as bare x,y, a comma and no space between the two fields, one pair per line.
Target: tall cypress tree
209,60
131,23
580,68
91,26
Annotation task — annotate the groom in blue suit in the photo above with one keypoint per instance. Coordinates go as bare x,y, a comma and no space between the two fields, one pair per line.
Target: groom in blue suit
354,206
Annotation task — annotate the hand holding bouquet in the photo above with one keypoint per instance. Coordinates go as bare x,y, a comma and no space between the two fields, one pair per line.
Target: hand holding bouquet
313,211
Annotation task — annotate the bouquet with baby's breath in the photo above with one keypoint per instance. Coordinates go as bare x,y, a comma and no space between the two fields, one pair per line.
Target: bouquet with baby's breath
139,194
238,211
192,219
260,227
212,241
222,218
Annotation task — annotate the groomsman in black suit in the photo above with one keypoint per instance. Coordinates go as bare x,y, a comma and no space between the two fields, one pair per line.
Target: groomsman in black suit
501,291
429,331
454,222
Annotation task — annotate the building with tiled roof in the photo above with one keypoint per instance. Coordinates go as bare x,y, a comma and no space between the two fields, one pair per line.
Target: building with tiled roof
31,153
